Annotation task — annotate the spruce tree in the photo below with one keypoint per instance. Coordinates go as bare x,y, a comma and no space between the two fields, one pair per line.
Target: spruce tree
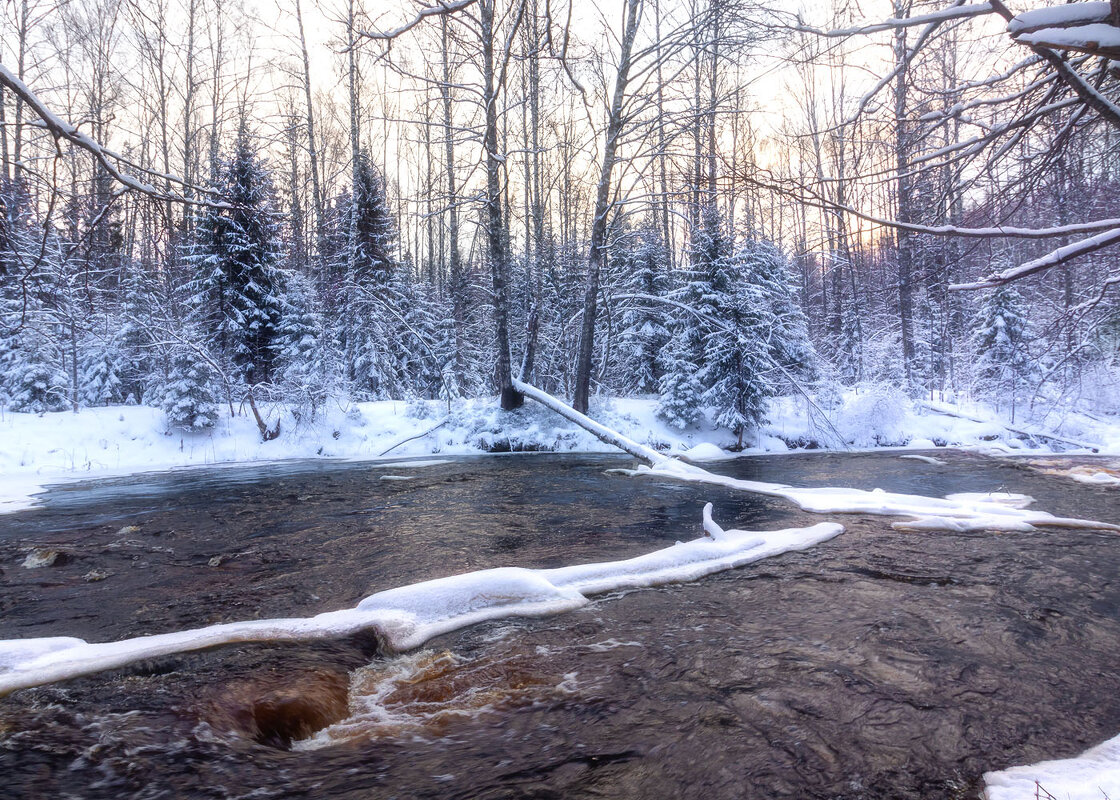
782,323
236,256
100,370
189,399
644,332
32,377
374,231
371,288
738,373
305,364
1002,340
707,280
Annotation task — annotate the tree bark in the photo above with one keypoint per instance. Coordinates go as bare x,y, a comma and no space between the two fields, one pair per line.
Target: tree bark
598,248
496,232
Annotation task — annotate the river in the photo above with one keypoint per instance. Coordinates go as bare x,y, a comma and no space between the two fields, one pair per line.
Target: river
880,664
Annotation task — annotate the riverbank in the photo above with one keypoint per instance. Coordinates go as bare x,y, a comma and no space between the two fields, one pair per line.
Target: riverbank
39,450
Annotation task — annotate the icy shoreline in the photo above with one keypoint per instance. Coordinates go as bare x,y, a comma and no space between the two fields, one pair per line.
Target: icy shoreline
40,450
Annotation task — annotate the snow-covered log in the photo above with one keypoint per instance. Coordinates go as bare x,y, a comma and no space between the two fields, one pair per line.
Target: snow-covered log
601,432
711,527
408,616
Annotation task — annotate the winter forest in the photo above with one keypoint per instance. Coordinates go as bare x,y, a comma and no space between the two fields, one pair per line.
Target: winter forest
214,207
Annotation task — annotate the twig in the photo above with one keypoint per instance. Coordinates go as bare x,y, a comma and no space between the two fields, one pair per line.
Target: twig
420,435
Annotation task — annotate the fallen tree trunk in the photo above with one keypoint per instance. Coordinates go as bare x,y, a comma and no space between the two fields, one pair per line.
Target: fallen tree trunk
1035,434
601,432
420,435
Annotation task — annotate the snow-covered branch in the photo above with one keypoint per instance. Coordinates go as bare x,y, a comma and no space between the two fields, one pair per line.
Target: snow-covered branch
1085,90
437,10
959,10
60,130
1052,259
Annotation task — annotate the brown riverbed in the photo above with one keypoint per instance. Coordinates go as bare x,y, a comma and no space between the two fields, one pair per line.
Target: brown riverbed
881,664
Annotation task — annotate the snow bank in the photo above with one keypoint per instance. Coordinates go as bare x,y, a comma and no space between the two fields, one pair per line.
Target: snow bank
38,450
1093,775
408,616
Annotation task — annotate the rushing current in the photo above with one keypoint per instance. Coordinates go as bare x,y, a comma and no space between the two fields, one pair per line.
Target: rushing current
879,664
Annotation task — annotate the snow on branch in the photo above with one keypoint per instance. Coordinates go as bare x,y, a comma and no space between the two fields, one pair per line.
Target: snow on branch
1098,39
1052,259
60,130
959,10
1060,16
1086,91
437,10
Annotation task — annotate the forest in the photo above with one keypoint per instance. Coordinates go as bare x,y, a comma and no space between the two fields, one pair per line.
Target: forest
208,206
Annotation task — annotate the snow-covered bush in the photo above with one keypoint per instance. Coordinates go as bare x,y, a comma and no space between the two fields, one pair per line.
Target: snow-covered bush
874,414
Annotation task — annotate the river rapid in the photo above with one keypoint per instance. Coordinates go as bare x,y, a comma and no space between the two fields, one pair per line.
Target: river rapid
880,664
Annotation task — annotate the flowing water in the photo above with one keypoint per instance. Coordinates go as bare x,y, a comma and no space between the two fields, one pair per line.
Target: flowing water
880,664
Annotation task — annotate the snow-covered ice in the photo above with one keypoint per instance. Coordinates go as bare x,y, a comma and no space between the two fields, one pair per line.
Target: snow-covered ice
957,512
410,615
1093,775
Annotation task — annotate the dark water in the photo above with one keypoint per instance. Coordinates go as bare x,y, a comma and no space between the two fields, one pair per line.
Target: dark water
881,664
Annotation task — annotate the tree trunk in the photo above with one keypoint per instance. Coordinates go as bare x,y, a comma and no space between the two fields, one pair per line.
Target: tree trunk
317,200
598,248
904,198
456,283
496,233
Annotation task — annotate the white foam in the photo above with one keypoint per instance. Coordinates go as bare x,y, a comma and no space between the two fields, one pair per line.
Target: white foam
408,616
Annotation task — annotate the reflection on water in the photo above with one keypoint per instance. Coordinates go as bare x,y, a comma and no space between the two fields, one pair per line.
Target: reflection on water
880,665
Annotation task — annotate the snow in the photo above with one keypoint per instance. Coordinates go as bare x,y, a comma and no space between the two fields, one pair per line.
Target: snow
1096,36
998,511
705,451
410,615
1093,775
1056,16
59,447
924,459
1097,478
